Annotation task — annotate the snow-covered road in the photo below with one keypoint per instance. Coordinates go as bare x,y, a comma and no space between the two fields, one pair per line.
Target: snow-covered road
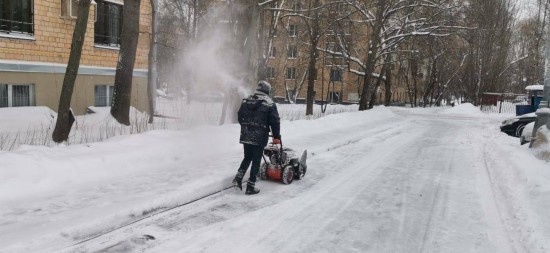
378,181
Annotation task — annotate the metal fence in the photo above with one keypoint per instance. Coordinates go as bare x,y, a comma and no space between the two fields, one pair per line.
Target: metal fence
502,102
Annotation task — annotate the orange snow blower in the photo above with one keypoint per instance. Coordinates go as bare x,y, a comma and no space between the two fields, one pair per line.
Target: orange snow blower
283,164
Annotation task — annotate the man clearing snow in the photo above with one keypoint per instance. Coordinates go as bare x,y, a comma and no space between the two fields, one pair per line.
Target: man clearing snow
257,115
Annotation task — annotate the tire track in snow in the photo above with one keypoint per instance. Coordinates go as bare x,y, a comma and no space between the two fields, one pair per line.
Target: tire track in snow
495,207
315,210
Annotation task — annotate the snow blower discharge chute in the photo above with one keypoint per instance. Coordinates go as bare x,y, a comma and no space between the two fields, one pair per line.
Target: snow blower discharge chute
283,164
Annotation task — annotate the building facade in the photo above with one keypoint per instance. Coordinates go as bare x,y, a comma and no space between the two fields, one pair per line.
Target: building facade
337,80
35,42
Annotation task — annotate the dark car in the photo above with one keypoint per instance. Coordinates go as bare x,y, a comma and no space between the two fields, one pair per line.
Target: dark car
514,126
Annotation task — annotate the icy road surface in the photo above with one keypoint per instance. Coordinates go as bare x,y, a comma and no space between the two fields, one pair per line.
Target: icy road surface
401,181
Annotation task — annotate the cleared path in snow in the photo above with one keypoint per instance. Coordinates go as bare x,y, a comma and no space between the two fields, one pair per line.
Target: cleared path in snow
411,183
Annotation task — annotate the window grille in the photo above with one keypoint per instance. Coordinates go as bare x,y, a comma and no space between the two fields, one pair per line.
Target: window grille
16,16
103,95
108,23
13,95
4,95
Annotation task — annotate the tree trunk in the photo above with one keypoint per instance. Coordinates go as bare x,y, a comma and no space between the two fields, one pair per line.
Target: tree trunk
387,83
377,87
374,41
120,108
427,98
314,40
65,118
152,84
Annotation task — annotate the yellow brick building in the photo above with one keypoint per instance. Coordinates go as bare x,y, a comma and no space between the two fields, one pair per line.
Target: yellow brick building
35,42
288,56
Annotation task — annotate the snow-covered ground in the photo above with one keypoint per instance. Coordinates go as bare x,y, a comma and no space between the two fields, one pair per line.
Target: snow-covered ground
384,180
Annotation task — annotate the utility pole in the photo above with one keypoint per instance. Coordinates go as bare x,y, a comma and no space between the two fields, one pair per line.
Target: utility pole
152,82
543,113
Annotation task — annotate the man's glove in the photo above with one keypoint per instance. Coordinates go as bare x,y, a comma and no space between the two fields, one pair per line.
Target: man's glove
276,141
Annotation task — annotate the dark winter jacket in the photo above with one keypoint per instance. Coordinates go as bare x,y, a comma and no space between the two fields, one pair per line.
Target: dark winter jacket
257,115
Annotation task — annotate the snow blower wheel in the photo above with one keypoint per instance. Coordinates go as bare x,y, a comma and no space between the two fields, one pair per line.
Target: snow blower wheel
288,174
263,171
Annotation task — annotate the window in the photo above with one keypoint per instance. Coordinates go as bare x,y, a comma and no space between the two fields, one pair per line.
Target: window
108,23
292,52
13,95
273,52
16,16
69,8
334,56
291,73
270,73
103,95
342,28
341,7
296,6
292,30
336,75
334,50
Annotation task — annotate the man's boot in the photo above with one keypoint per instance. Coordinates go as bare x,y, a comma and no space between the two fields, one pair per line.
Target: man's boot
238,183
251,190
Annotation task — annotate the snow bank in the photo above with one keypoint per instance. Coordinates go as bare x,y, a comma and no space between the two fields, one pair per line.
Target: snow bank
22,118
541,145
465,109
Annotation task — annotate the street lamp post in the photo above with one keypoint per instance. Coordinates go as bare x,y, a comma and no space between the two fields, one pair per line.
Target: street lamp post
543,113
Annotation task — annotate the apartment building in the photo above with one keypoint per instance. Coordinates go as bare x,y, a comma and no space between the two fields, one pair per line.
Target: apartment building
35,42
289,53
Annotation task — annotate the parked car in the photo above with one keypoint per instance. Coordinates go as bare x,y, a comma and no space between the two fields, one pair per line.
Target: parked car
526,134
514,126
521,99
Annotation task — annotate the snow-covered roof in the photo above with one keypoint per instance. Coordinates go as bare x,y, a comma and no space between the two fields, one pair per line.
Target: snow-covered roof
535,87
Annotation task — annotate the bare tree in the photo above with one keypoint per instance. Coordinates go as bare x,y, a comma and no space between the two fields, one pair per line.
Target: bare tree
529,43
390,24
65,117
317,17
488,46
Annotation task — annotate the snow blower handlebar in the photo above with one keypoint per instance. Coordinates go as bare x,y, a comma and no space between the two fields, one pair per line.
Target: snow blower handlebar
281,149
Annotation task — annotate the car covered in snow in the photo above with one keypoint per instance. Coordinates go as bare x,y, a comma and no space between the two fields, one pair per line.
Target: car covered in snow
514,126
526,134
521,99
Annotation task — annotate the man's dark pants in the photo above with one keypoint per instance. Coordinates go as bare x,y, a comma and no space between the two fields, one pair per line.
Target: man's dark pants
252,153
